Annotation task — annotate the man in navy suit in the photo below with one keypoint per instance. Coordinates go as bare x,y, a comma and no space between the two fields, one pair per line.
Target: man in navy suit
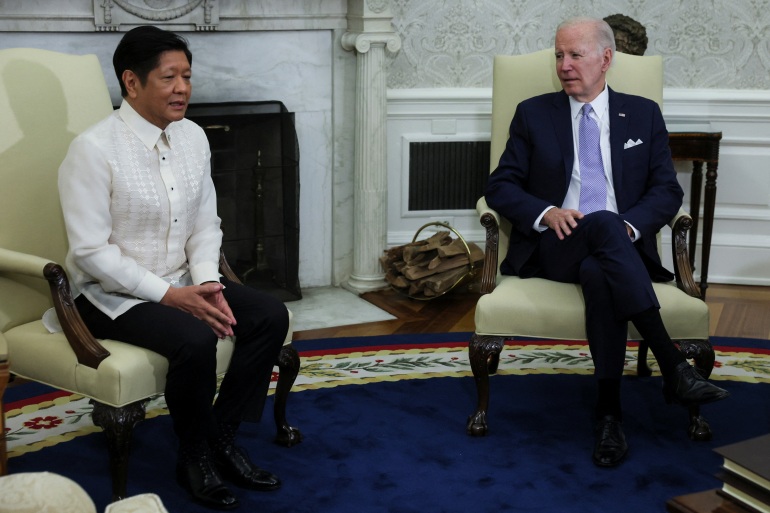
589,214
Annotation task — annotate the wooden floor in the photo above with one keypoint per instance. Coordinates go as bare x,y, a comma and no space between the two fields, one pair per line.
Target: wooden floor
736,311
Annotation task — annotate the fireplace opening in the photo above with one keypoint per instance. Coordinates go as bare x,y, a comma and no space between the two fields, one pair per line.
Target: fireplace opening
255,168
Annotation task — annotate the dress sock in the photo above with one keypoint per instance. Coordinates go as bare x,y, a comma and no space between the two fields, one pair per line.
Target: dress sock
192,451
226,437
650,326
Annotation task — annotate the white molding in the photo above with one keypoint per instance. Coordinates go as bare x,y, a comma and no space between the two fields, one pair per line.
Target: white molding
211,15
439,103
700,104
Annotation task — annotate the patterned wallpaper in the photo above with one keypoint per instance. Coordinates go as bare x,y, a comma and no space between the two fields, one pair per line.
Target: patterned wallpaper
715,44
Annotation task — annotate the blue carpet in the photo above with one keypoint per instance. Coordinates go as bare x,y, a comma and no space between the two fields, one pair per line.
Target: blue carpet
401,447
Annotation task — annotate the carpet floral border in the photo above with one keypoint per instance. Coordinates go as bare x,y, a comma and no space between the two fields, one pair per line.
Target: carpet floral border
33,427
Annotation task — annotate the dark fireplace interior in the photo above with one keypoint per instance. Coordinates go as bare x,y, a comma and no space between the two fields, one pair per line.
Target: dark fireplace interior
255,167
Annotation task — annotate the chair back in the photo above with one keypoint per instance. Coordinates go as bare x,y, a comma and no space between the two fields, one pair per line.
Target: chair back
46,98
516,78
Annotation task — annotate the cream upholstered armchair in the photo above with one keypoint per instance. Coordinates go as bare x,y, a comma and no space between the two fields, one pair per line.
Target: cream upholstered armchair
46,98
514,307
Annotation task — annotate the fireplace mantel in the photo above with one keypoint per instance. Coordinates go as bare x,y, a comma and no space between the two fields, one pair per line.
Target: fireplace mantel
177,15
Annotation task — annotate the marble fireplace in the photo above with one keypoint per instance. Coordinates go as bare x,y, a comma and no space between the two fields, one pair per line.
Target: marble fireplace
322,59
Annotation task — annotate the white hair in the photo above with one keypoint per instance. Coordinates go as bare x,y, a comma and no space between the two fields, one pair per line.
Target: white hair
605,37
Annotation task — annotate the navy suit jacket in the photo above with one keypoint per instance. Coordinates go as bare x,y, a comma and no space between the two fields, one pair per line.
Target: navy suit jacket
535,170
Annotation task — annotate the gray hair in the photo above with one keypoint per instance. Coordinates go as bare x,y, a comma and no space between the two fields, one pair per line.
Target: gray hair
605,37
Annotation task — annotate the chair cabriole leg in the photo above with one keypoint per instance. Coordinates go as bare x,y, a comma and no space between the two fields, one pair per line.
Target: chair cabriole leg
288,366
484,355
118,426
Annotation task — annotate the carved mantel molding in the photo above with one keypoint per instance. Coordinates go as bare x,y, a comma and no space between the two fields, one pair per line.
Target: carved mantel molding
176,15
200,15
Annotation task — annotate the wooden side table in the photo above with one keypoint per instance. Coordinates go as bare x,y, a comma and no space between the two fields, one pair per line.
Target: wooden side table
699,147
704,502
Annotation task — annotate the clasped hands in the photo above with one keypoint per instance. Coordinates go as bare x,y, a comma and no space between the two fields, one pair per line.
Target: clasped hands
563,220
205,302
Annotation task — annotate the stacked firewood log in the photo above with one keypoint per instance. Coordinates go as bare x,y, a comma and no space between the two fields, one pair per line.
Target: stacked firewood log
429,268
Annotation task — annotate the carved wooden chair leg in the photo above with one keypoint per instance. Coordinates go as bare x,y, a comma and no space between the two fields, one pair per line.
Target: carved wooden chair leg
288,367
642,369
484,355
118,426
699,429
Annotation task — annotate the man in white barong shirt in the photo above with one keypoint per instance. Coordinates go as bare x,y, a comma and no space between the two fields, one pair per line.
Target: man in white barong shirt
140,212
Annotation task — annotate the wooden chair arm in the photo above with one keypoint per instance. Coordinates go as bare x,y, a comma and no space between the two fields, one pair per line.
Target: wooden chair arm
88,350
225,269
490,220
680,225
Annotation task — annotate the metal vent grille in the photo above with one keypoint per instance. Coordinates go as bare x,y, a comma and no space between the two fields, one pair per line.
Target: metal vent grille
447,175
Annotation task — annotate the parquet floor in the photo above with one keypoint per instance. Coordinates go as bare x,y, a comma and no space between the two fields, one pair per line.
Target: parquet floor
736,311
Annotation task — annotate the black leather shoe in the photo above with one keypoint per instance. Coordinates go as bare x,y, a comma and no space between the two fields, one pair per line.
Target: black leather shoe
235,466
611,447
201,480
688,387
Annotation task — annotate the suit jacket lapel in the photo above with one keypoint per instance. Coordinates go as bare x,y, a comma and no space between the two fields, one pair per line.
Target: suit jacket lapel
619,120
562,123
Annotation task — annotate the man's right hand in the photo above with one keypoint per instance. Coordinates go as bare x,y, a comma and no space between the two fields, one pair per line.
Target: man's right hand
562,221
194,299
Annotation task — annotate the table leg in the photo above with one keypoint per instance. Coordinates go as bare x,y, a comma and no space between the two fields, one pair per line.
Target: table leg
695,187
709,203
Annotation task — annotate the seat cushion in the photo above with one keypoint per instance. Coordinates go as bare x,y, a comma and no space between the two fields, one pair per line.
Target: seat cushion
536,307
129,374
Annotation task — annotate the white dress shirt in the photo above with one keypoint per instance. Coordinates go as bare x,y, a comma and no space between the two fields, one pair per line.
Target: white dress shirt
140,210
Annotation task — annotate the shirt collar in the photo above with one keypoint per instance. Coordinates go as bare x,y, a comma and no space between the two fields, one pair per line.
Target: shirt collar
599,104
144,130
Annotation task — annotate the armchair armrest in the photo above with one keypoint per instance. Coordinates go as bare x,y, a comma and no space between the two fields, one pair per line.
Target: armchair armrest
680,225
490,220
225,269
88,350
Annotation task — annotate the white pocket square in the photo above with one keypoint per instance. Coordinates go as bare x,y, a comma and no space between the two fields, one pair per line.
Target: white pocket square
631,144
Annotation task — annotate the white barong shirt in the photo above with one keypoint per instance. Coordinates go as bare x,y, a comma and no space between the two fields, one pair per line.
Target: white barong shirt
140,210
